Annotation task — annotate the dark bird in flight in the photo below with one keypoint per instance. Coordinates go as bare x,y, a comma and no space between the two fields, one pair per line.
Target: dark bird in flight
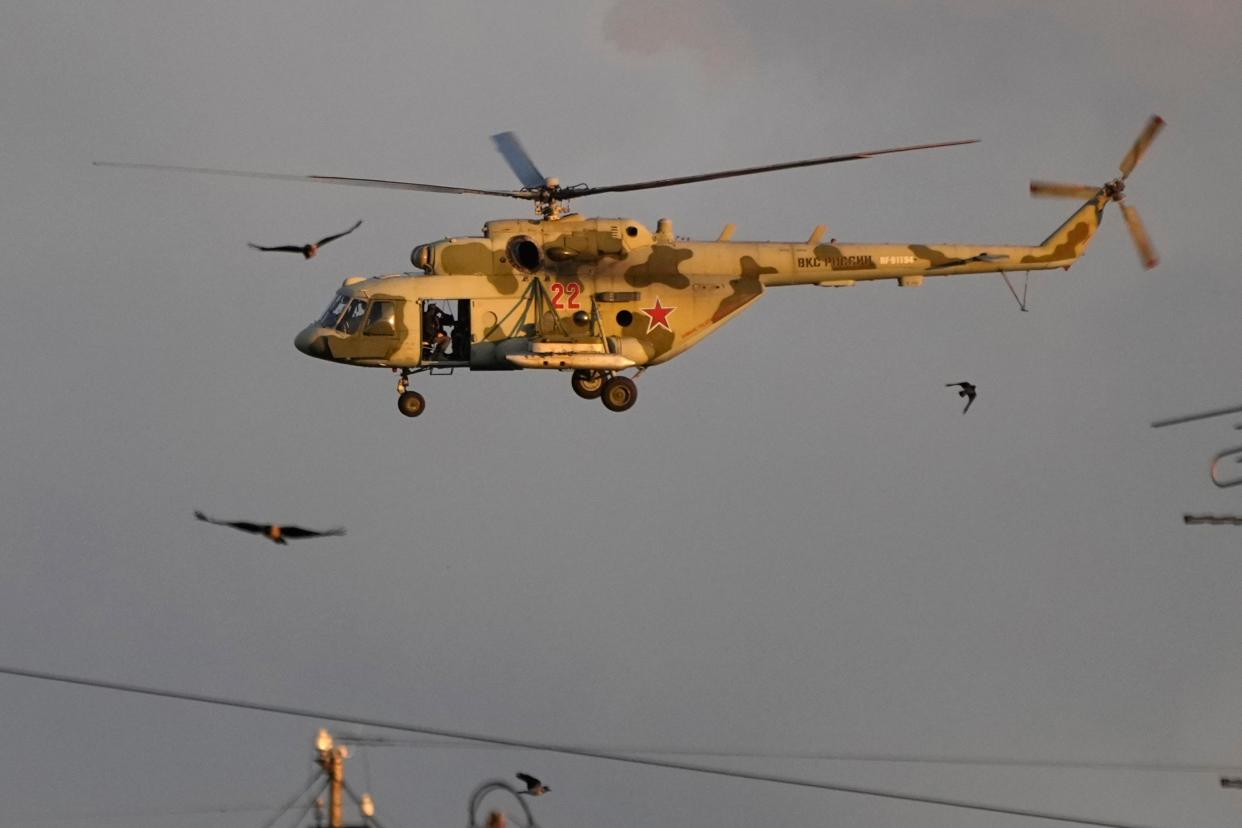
533,786
307,250
968,390
272,531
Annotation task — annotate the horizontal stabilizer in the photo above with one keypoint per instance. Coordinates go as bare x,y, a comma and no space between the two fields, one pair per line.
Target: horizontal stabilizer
982,257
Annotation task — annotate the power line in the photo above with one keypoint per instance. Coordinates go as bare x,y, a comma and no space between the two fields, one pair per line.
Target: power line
312,803
562,749
820,756
294,799
1227,520
1189,418
358,802
112,816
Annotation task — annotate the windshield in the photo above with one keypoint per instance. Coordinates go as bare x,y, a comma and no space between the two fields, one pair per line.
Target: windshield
352,320
333,313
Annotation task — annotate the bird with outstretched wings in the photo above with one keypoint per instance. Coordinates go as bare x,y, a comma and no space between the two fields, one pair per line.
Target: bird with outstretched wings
533,786
968,390
307,250
272,531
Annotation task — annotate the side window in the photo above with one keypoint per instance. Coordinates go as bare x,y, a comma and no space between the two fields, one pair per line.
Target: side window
382,321
352,320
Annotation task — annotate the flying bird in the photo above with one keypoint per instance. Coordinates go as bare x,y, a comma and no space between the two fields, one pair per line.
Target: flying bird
272,531
533,786
308,251
968,390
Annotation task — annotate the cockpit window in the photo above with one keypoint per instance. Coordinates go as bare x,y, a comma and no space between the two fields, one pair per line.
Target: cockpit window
352,320
333,313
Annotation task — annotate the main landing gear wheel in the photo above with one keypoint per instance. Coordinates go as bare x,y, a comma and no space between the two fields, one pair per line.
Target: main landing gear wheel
411,403
588,384
620,394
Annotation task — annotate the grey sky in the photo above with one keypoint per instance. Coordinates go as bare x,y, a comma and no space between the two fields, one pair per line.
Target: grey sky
795,541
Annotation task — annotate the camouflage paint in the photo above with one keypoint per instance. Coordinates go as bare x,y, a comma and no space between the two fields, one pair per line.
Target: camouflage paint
1071,238
746,288
699,284
661,268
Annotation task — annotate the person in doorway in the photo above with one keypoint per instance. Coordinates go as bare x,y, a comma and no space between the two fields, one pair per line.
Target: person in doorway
434,337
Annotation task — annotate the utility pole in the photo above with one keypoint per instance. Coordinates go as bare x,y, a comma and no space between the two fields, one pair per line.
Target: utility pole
331,759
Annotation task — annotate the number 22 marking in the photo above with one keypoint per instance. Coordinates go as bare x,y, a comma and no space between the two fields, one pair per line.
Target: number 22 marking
569,292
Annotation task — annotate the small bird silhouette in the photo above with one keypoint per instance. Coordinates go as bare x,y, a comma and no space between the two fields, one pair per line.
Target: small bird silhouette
308,251
533,786
273,532
968,390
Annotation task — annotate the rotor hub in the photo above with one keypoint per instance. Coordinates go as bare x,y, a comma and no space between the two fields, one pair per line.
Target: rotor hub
548,205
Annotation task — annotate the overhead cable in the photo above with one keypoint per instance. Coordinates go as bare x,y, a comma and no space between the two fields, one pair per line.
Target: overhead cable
548,747
310,783
823,756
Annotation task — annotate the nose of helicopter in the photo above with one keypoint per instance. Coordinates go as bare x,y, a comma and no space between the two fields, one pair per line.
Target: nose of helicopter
309,343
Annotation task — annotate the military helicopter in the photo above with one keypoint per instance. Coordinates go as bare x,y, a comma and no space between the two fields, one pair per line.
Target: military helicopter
600,296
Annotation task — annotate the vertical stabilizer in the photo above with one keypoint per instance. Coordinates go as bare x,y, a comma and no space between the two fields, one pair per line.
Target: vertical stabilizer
1070,240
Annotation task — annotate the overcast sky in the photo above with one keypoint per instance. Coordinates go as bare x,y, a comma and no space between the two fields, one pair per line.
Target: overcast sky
794,542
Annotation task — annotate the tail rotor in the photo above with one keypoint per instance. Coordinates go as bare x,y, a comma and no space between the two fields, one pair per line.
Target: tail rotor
1154,125
1115,191
1142,241
1053,189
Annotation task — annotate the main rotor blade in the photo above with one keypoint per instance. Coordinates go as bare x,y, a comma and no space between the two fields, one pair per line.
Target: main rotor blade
1053,189
1142,241
810,162
526,171
1154,125
325,179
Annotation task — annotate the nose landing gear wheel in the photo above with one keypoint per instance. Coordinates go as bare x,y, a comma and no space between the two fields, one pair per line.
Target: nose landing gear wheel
411,403
620,394
588,384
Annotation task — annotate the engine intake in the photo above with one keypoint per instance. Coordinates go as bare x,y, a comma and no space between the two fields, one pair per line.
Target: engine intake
524,254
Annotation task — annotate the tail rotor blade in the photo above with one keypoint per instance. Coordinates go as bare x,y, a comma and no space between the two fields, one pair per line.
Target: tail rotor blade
1142,241
1053,189
1154,125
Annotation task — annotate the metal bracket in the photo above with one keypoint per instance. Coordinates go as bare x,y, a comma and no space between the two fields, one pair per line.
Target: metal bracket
1228,482
1025,284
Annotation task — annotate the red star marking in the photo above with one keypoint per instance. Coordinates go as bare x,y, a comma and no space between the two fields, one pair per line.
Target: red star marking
658,316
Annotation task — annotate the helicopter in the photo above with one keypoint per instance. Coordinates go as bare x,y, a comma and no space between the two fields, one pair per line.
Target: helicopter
601,296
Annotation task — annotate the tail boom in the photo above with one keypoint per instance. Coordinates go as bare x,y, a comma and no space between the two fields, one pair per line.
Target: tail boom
838,265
